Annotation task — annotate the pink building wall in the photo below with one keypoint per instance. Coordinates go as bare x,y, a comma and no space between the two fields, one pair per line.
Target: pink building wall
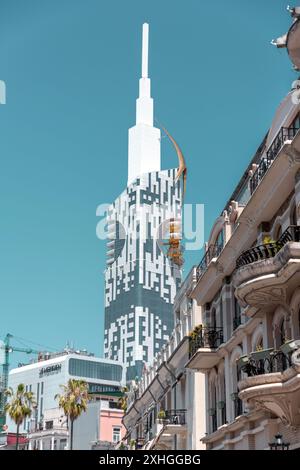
109,419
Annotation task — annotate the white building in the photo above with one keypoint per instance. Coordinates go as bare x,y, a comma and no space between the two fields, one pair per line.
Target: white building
47,428
165,408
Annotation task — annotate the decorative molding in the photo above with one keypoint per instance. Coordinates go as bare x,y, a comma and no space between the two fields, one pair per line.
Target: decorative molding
293,156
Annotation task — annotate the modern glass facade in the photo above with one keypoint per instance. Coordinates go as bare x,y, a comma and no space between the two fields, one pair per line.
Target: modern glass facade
95,370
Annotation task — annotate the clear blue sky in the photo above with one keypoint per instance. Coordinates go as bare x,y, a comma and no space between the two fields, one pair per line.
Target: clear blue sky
71,68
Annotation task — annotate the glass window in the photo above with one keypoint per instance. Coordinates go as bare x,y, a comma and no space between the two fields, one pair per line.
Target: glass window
49,424
293,217
220,239
116,434
41,408
282,332
95,370
62,444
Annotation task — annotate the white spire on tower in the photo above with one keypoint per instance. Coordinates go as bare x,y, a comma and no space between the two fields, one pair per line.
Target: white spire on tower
144,139
145,48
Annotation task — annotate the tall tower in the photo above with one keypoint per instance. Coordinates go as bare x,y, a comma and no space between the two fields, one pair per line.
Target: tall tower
141,281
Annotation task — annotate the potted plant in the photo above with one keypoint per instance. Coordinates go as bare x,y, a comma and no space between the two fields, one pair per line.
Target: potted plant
242,361
221,405
212,411
289,346
161,415
234,396
132,444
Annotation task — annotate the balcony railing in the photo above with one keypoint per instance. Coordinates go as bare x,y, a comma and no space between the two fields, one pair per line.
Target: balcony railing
207,337
212,252
274,361
285,133
175,417
268,250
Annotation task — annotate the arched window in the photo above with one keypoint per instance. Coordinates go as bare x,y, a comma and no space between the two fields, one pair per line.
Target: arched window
279,333
212,411
220,239
222,398
237,319
282,332
293,215
236,377
213,319
214,414
221,312
259,344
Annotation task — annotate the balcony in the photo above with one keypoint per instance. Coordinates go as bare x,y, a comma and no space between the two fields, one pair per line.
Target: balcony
272,382
172,423
267,273
269,250
285,134
265,362
212,252
204,342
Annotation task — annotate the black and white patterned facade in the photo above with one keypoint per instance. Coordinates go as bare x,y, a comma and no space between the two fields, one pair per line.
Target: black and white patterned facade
140,280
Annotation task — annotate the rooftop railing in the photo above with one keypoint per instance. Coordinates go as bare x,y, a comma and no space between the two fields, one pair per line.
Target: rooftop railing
269,250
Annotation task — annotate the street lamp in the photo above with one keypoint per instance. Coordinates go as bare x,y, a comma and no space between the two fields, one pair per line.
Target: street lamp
278,444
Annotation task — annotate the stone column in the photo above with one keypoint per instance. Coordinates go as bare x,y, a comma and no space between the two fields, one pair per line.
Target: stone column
52,442
41,444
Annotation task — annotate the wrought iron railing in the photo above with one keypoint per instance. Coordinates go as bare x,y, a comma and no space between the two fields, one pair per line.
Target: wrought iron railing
276,361
268,250
206,337
175,417
285,133
212,252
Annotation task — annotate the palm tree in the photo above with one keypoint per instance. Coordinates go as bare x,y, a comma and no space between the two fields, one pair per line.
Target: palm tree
73,401
19,406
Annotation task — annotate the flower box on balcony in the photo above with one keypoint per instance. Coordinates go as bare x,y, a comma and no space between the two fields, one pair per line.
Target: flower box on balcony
290,346
242,361
221,405
261,355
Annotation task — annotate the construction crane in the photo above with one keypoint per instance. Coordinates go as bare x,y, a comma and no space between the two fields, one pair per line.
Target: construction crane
8,348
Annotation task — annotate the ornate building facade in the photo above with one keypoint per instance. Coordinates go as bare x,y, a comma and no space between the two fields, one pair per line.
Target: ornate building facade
245,339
